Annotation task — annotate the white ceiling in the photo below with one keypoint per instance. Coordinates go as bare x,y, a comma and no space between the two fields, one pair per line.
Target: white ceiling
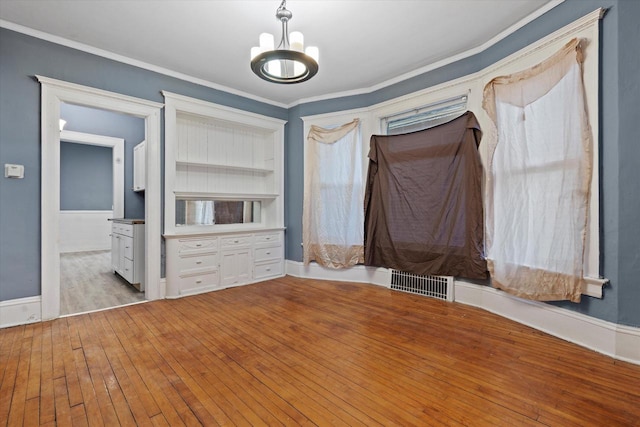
364,44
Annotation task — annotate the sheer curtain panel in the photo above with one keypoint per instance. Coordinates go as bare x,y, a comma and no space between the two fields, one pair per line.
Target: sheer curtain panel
333,215
539,174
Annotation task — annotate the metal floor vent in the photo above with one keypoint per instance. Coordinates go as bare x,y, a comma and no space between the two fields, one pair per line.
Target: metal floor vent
440,287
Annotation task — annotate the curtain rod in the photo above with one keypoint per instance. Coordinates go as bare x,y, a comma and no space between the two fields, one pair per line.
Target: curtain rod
433,104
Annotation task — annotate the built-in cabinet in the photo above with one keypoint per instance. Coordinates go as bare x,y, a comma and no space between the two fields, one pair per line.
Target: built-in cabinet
224,213
127,250
208,262
139,166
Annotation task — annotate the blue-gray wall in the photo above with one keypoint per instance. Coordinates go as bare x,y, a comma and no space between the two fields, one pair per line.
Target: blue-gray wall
23,56
620,150
86,177
108,123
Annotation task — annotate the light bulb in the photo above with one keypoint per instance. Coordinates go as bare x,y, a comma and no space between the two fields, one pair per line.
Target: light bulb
296,40
313,52
266,42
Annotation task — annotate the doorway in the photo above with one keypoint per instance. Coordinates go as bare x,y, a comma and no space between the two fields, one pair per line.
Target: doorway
93,184
54,93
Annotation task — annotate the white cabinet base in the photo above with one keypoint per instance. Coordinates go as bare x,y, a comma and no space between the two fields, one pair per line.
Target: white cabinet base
127,251
212,261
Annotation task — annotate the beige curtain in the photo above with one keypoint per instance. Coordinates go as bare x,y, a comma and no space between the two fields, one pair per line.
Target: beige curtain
539,171
333,214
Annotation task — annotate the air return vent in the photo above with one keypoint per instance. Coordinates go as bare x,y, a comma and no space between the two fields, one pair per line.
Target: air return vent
440,287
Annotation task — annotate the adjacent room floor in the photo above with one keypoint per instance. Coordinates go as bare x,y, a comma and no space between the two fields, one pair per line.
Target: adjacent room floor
87,282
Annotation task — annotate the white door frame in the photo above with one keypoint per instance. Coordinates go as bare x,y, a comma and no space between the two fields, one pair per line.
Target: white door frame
54,92
117,148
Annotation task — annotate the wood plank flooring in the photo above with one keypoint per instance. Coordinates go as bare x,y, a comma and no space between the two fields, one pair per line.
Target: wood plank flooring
88,283
306,352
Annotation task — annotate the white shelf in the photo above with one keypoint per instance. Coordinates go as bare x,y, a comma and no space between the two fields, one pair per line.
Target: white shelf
225,196
224,166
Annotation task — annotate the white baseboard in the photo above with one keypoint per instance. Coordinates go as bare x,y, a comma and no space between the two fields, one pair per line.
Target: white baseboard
357,273
20,311
618,341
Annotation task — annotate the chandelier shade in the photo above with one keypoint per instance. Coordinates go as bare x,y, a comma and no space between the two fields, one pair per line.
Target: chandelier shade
289,62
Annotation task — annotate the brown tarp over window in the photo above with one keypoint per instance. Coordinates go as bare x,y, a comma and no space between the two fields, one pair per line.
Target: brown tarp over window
423,201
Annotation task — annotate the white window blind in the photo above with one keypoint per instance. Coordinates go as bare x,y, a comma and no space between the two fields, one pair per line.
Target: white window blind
427,116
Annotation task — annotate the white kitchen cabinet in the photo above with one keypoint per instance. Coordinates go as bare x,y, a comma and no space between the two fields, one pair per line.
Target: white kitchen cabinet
139,166
127,250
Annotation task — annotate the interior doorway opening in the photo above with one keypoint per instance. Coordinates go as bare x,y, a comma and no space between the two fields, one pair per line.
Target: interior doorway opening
55,93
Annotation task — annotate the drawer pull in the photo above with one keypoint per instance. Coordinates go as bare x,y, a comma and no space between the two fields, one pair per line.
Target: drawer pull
198,262
268,269
268,238
198,245
198,281
268,253
235,241
126,247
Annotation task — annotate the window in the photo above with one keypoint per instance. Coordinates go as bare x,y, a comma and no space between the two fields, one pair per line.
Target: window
333,214
538,178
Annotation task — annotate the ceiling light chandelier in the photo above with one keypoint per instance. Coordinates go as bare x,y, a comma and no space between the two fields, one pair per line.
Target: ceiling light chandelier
289,62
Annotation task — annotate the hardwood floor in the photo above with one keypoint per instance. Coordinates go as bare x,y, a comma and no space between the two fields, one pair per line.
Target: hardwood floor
306,352
87,283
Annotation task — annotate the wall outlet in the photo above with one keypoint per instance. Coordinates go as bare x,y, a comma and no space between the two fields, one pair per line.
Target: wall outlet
13,171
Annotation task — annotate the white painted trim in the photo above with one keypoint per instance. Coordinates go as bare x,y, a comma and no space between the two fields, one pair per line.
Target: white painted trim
55,92
117,147
144,65
20,311
618,341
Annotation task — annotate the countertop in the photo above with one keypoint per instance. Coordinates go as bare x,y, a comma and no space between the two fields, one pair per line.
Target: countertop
127,220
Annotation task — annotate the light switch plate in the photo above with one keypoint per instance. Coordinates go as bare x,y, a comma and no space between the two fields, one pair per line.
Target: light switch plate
13,171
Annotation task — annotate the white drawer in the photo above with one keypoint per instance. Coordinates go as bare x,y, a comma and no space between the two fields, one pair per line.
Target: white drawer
267,270
235,241
192,284
268,238
119,228
263,254
127,271
128,246
198,261
126,229
197,245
